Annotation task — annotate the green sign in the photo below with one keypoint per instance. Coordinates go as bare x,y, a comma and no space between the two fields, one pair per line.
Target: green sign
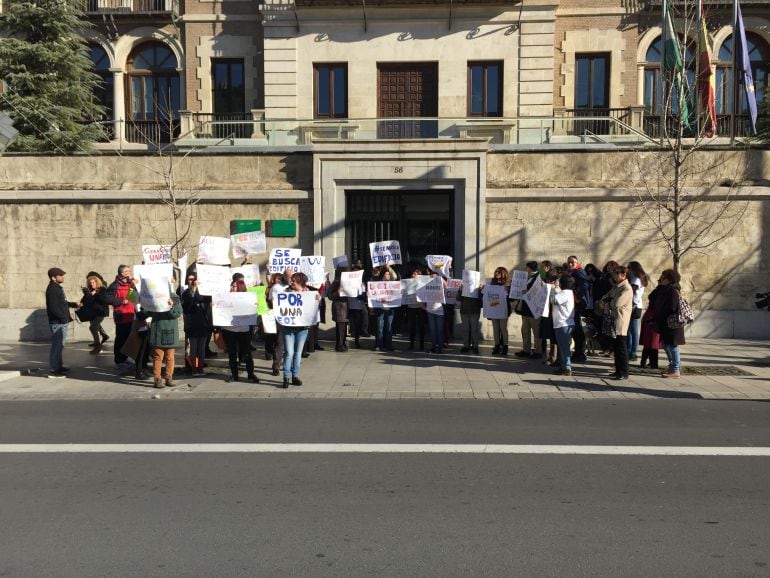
245,226
282,228
260,290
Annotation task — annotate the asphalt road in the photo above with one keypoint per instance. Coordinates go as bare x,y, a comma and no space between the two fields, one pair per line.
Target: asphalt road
361,514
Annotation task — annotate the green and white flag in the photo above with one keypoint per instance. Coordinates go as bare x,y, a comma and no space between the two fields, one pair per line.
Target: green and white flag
674,71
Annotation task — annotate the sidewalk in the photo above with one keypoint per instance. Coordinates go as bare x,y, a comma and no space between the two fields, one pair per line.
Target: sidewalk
724,369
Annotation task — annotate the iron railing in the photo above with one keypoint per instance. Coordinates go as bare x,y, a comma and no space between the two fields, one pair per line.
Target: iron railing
130,6
223,125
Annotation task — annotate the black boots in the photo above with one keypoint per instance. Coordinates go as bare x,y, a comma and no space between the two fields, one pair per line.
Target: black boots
286,382
296,381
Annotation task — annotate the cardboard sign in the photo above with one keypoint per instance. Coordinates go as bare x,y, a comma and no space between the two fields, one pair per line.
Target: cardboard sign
518,284
341,261
156,254
252,243
282,259
214,250
471,282
154,294
268,322
384,294
495,302
314,267
451,290
441,264
213,279
351,283
296,309
385,252
261,292
537,298
432,292
234,309
153,271
250,274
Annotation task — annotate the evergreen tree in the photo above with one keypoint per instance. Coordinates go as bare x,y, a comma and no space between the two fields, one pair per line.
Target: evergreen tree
47,71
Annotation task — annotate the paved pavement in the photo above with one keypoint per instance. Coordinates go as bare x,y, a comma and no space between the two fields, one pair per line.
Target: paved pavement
727,369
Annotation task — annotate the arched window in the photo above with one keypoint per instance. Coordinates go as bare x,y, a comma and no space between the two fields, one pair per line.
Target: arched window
759,56
153,94
104,93
653,76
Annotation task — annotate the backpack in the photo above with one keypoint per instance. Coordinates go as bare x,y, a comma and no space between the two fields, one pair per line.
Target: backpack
683,316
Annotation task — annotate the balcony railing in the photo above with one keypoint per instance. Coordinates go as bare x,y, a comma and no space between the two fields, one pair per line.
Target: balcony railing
130,6
653,125
222,126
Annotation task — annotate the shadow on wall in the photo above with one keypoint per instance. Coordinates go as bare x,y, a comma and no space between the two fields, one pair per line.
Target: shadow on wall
35,327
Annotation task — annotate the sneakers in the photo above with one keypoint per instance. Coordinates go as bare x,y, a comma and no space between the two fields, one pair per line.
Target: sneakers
170,383
253,379
158,384
671,374
58,373
522,353
199,373
566,372
231,379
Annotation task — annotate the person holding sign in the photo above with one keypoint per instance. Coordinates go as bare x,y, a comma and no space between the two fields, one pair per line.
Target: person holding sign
384,315
294,336
470,313
416,318
197,323
339,312
563,315
238,339
530,327
500,326
436,321
164,339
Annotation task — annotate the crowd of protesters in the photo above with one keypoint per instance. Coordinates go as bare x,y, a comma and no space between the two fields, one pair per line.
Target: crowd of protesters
591,311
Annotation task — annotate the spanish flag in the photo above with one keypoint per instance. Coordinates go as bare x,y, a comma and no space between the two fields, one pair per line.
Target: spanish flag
706,83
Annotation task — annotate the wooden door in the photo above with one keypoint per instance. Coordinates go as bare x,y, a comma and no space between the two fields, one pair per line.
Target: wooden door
407,90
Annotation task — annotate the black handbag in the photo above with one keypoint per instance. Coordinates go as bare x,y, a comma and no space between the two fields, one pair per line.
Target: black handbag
636,313
85,314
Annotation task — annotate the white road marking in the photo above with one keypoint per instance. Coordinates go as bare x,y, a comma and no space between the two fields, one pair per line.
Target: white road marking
341,448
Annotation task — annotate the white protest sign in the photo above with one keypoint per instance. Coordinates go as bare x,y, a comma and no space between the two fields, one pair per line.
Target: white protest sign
268,322
385,252
165,270
518,284
432,292
341,261
351,283
537,298
296,309
183,260
313,266
156,254
234,309
154,294
441,264
213,279
471,282
282,259
384,294
410,286
214,250
451,290
250,274
495,302
252,243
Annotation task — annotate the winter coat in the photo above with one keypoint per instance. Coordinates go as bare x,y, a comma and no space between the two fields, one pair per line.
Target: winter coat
583,297
56,305
164,329
99,302
116,293
339,304
197,314
669,304
469,305
648,333
621,303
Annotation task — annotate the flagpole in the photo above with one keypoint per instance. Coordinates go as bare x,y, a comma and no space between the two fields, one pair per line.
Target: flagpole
734,111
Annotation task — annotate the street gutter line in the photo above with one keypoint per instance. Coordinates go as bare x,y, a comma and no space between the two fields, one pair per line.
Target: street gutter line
333,448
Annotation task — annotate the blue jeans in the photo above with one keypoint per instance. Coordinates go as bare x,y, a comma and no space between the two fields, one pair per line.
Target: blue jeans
58,338
293,342
633,338
672,352
384,338
436,330
563,335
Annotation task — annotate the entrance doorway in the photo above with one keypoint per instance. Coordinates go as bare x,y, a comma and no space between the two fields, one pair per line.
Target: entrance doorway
422,222
406,91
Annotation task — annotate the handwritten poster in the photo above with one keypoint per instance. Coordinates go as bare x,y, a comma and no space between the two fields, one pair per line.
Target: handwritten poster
282,259
495,302
432,292
341,261
410,286
351,283
537,298
518,284
214,250
384,294
252,243
385,252
156,254
314,267
441,264
183,260
234,309
213,279
296,309
156,271
154,294
250,274
268,322
471,282
451,290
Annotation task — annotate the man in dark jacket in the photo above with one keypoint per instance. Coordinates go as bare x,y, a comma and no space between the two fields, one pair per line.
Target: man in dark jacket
58,309
530,327
583,303
123,310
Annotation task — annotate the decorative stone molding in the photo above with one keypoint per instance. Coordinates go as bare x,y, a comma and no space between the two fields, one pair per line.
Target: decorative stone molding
224,46
593,40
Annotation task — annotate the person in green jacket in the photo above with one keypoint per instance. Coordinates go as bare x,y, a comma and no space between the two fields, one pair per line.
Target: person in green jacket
164,339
